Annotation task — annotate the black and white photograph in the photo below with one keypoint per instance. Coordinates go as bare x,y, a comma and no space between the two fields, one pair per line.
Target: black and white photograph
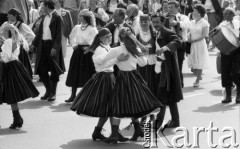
119,74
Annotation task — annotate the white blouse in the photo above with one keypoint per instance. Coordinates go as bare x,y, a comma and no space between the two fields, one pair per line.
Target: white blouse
7,55
128,65
151,58
99,55
79,36
27,33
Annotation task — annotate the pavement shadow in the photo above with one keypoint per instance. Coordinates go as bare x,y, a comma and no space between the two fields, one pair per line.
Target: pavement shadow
90,144
216,92
63,107
191,89
7,131
189,75
216,108
34,104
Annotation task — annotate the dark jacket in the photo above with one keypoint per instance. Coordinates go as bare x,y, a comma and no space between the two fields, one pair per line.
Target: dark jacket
56,32
169,88
111,26
67,23
182,48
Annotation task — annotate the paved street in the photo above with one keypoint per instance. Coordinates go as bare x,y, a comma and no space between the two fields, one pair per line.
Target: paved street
52,125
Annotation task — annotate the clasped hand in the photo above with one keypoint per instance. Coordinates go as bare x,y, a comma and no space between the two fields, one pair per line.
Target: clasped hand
159,51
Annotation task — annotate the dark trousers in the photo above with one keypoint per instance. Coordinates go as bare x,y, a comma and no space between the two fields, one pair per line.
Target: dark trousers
180,55
46,64
173,110
229,72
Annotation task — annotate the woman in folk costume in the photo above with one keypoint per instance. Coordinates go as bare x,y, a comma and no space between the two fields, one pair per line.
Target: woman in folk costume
15,17
81,66
15,77
131,96
95,97
147,37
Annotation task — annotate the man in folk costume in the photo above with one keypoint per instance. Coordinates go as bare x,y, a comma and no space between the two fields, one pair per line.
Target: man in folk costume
169,88
67,24
49,57
178,23
114,27
230,63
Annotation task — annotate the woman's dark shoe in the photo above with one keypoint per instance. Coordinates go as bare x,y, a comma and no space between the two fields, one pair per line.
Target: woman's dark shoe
228,98
17,120
138,132
71,99
115,136
73,95
143,121
47,87
97,134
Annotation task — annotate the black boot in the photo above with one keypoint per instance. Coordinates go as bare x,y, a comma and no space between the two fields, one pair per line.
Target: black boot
238,95
97,134
143,121
228,95
52,95
17,120
172,124
73,95
138,132
47,86
115,136
175,116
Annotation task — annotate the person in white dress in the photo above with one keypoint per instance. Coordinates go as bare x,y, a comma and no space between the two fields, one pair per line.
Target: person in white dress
199,29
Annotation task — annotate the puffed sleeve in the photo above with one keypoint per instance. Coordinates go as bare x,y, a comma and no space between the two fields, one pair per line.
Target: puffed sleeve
27,33
113,53
6,50
90,37
98,57
205,24
142,60
72,36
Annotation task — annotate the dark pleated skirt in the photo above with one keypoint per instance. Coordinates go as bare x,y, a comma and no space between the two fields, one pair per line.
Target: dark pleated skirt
132,98
17,84
95,97
149,75
24,58
81,68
